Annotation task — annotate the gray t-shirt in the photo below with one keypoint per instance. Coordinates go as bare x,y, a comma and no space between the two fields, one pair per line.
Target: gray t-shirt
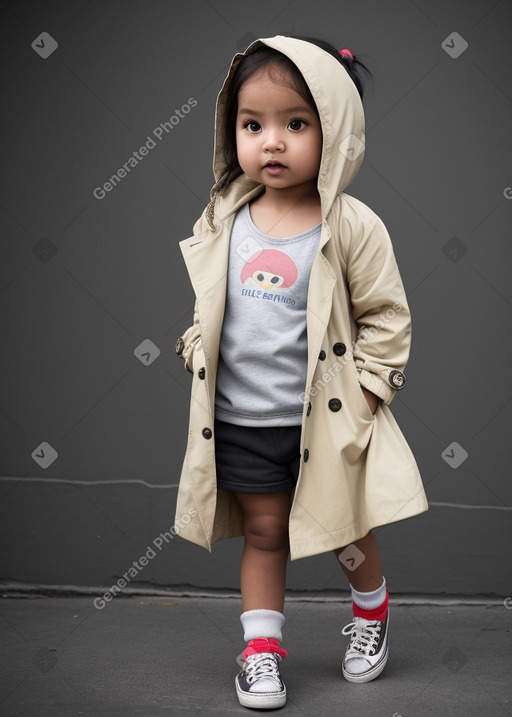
263,346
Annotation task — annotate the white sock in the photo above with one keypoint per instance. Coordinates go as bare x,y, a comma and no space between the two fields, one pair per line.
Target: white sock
366,601
371,600
262,623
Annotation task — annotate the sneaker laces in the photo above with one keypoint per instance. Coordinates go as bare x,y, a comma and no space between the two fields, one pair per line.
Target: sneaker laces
263,665
365,635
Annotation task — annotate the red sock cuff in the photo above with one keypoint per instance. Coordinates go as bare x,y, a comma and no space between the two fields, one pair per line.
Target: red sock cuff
263,644
379,613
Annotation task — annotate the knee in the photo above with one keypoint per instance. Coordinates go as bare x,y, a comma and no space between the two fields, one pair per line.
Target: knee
266,532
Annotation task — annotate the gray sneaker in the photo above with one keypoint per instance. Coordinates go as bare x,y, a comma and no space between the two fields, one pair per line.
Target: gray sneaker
368,649
259,684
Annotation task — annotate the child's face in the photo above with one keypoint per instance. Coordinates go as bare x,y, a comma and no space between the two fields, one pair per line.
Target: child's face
276,125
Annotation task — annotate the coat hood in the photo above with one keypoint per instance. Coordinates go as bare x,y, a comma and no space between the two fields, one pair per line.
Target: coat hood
341,115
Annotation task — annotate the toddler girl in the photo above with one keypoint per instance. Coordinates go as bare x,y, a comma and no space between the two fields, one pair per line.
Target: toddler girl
301,333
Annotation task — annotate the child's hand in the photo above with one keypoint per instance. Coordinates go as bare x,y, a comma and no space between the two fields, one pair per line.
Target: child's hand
373,400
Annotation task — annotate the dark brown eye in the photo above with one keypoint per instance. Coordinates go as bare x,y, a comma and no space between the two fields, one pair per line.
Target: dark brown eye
296,124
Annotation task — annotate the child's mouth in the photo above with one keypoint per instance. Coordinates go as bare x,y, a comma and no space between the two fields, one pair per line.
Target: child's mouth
275,168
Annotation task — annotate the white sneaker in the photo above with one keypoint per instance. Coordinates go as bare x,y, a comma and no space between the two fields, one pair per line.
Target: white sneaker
368,649
259,684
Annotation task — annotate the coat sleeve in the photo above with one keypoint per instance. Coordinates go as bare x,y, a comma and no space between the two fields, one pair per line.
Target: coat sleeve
189,341
380,309
191,338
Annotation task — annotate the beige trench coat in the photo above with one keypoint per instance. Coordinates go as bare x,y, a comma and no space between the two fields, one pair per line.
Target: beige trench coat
357,470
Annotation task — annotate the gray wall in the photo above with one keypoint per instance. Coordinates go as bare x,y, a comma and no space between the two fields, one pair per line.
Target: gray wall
93,431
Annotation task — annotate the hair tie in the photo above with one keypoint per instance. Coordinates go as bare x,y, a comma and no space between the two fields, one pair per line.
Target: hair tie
347,53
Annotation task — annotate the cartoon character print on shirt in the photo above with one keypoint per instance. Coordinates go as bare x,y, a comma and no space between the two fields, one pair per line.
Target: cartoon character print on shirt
270,269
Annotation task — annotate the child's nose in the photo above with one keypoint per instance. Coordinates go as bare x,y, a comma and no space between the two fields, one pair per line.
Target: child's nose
273,140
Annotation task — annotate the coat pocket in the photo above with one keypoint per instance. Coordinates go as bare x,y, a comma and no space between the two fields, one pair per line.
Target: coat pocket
360,403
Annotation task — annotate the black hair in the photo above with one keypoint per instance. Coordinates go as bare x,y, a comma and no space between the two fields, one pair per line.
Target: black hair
265,56
352,66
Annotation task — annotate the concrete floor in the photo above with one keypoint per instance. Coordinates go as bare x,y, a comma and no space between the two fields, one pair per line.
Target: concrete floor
156,656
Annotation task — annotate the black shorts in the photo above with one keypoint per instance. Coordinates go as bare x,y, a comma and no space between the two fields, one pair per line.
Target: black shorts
256,459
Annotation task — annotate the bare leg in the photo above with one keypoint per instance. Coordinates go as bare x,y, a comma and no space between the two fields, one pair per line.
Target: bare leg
266,548
368,575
